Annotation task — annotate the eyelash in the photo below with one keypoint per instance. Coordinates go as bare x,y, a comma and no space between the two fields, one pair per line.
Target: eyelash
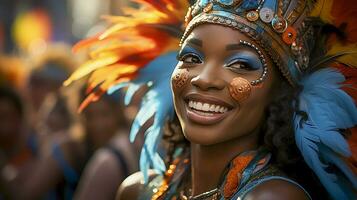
190,55
241,64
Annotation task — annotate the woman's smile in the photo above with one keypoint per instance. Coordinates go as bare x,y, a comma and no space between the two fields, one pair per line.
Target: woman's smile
206,110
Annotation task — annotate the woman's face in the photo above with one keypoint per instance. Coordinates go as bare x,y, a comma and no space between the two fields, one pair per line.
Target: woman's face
213,97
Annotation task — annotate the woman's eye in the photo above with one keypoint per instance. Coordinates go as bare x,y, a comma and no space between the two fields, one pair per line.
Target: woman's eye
238,65
191,59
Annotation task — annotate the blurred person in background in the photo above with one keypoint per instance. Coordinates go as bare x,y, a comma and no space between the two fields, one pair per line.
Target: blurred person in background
115,157
56,171
47,72
15,156
49,135
48,174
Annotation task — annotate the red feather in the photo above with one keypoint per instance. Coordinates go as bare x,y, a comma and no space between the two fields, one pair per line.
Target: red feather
344,12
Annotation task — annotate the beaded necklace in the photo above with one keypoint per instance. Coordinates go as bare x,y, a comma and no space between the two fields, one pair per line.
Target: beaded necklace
233,177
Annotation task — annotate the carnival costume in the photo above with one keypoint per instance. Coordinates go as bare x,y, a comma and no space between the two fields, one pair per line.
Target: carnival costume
140,48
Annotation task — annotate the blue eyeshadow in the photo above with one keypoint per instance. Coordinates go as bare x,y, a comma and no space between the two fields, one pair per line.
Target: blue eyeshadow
248,58
188,49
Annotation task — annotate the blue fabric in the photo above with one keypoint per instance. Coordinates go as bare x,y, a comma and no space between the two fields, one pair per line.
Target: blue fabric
329,110
33,143
70,175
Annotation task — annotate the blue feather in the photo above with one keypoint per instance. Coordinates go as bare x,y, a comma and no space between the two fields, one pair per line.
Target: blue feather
132,89
329,110
157,103
144,163
117,87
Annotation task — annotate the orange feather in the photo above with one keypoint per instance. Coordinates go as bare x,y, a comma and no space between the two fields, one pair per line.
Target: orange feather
136,38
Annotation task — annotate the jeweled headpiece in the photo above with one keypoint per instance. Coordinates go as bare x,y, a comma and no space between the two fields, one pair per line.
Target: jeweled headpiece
278,26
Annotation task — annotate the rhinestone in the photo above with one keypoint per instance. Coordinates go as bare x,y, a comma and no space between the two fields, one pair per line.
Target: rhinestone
279,24
305,59
266,14
252,16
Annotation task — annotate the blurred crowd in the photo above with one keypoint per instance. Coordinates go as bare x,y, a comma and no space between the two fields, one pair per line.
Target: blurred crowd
47,149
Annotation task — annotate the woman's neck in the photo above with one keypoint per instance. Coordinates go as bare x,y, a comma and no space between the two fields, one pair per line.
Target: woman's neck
209,161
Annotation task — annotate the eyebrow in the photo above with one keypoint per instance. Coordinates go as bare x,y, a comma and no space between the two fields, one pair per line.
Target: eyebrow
231,47
195,41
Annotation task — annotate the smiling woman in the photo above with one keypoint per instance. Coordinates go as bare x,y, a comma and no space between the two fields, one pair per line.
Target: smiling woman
256,109
224,86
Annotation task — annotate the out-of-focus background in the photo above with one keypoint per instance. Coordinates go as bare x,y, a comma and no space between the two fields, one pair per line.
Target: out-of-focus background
47,149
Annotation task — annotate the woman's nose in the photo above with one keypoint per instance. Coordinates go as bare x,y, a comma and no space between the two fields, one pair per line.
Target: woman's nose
208,78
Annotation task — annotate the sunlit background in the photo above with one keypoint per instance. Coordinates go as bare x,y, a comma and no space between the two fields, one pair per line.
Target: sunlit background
27,25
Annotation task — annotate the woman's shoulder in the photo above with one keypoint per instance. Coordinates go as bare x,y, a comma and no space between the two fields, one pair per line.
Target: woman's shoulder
278,188
262,179
134,185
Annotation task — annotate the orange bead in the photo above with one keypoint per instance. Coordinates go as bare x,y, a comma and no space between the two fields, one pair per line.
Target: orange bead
289,36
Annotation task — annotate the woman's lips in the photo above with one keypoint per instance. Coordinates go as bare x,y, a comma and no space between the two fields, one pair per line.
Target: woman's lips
206,110
203,117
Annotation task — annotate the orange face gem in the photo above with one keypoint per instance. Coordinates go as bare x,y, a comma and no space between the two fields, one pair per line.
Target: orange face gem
179,78
240,89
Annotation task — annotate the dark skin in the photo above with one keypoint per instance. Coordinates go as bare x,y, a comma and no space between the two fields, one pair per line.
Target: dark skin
209,54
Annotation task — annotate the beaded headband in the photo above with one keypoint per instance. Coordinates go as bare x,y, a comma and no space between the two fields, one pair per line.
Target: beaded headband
278,26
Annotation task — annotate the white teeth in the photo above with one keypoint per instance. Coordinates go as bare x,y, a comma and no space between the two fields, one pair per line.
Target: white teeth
207,107
199,106
216,109
212,108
